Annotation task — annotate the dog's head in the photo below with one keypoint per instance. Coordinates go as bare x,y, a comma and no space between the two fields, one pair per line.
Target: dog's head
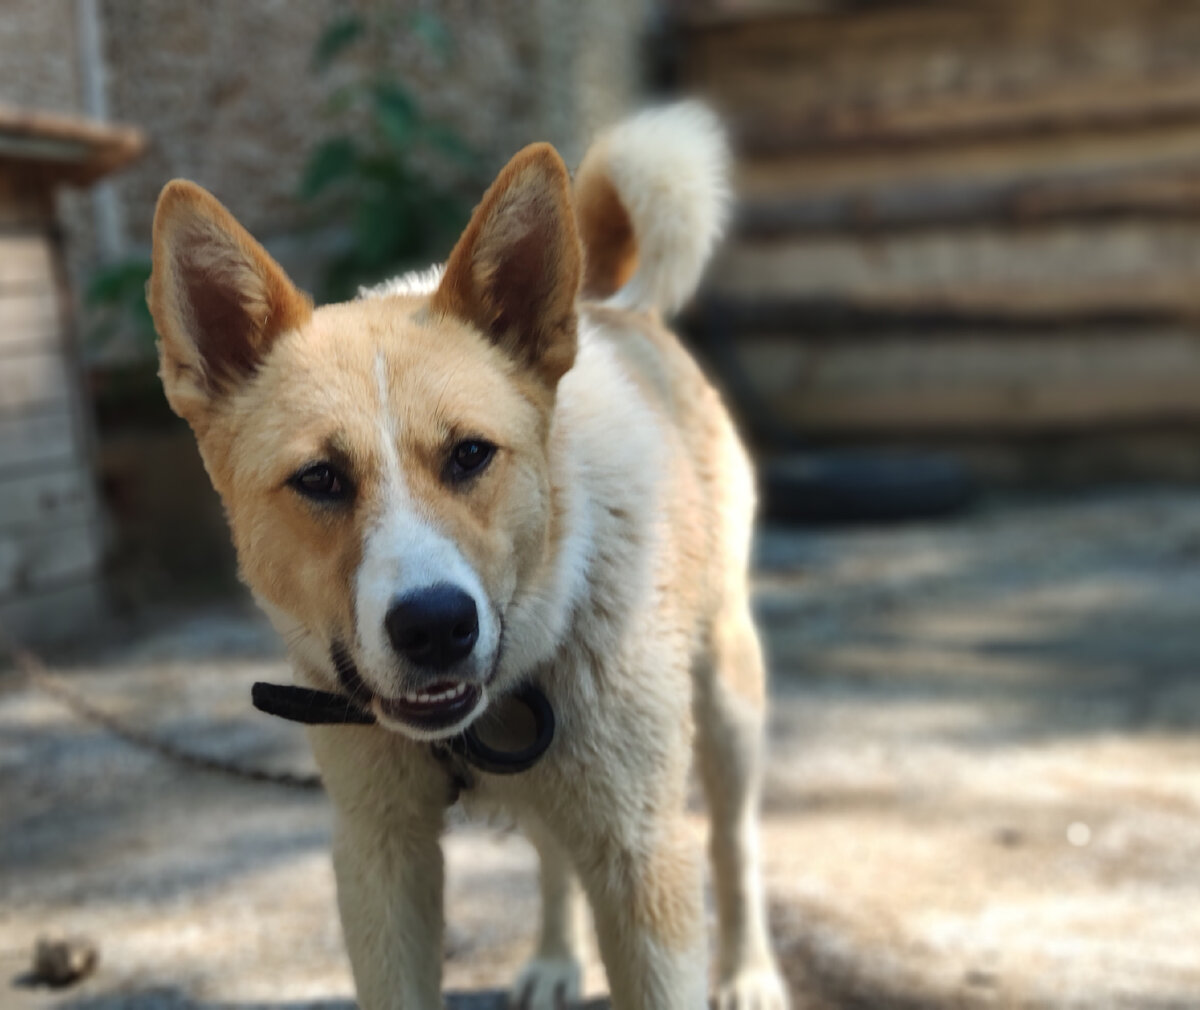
384,463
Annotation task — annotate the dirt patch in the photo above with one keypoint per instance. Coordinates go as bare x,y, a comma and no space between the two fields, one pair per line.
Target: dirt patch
984,788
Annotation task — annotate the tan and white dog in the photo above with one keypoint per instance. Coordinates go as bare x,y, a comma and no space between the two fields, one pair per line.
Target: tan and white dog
502,472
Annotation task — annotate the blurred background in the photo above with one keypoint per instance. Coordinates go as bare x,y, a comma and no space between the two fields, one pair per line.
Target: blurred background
957,317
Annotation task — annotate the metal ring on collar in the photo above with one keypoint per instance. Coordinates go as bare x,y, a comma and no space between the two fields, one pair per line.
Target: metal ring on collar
488,759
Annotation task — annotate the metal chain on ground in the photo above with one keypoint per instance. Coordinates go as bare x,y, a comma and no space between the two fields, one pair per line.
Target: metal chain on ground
40,675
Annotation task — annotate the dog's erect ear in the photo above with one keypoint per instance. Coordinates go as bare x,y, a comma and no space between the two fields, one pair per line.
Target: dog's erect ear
515,272
217,297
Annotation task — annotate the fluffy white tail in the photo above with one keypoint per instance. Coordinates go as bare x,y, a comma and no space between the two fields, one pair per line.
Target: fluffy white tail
652,196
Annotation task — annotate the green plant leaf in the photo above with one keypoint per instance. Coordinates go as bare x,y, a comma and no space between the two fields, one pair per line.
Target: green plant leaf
343,275
340,101
142,320
332,161
380,226
395,113
341,33
386,171
115,300
450,143
399,188
447,215
118,283
432,30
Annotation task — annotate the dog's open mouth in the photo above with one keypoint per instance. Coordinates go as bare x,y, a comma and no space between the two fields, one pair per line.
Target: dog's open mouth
436,707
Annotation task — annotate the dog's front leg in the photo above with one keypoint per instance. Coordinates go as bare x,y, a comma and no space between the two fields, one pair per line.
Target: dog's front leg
646,894
390,898
387,856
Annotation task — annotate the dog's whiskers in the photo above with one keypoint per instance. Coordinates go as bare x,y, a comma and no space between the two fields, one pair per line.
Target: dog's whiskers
357,694
295,636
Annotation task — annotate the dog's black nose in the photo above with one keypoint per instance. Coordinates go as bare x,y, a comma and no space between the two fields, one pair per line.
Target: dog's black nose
433,627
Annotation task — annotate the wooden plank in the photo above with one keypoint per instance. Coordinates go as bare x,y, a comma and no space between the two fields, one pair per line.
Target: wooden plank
45,498
40,438
45,559
25,260
977,381
766,129
29,320
692,15
1095,268
32,380
1036,159
1016,307
54,616
1157,300
908,204
80,150
906,66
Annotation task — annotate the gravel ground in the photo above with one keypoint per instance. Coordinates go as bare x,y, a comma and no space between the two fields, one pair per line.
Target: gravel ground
984,787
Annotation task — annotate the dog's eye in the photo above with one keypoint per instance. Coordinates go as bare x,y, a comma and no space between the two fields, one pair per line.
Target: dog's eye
322,482
469,458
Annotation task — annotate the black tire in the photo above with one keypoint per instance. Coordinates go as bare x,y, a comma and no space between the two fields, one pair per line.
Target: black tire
853,487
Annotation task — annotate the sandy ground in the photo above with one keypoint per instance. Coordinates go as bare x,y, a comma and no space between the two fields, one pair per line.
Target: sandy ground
984,787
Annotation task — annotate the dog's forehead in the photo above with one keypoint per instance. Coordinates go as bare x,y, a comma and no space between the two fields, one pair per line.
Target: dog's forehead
346,345
358,363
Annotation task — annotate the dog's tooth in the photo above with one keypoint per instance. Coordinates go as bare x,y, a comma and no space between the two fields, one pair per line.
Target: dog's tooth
422,697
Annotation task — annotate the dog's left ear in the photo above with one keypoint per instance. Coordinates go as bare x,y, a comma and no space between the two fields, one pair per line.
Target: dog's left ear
515,271
218,300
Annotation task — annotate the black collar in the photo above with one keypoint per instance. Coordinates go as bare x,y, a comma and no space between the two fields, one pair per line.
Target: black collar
324,708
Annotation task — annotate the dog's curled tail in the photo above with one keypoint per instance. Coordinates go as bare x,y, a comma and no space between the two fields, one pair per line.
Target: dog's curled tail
652,197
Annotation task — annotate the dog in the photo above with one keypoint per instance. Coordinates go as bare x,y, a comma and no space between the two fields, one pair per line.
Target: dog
505,472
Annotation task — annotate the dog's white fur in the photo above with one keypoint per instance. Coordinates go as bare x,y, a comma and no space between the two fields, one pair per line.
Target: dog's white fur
639,632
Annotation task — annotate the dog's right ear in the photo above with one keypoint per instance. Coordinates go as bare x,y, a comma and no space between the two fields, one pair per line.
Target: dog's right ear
515,271
217,298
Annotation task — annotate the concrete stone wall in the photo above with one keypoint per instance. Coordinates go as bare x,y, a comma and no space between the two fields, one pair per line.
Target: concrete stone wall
38,55
226,93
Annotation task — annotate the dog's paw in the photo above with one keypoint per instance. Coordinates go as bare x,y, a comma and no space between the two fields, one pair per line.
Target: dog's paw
547,983
752,989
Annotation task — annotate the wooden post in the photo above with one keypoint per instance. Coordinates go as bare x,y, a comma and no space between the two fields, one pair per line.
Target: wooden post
51,525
